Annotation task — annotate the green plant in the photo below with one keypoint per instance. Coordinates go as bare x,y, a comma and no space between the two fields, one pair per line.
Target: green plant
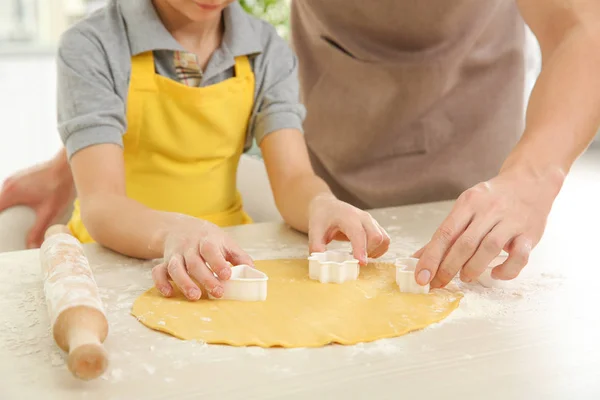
276,12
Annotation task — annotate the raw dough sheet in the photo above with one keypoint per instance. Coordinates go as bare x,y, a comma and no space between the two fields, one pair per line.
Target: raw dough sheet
300,312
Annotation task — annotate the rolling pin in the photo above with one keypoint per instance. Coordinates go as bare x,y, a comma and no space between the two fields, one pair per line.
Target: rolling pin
77,316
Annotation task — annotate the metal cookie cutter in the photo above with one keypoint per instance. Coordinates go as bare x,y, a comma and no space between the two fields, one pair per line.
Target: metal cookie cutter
245,284
405,276
486,280
332,267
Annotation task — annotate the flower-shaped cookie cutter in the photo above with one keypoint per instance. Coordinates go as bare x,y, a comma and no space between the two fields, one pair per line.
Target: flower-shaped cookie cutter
333,267
245,284
405,276
486,280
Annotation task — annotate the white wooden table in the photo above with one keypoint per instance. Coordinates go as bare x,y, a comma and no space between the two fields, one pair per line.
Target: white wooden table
538,339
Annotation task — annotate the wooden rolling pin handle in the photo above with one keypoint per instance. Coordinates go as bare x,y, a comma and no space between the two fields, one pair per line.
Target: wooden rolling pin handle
80,331
87,357
80,328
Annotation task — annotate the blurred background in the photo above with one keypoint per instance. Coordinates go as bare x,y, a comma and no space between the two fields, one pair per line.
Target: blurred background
29,32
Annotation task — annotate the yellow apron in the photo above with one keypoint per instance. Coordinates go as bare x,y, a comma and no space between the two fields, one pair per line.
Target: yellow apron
183,144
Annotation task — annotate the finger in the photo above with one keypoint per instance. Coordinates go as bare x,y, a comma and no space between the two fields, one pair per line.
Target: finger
160,276
491,245
317,242
462,250
177,272
435,251
355,232
374,235
43,220
518,257
197,269
382,249
235,255
213,256
384,245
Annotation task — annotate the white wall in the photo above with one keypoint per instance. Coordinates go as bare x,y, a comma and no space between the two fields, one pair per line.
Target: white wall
27,112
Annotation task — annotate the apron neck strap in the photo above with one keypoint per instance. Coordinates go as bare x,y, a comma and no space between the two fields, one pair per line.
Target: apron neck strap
242,67
143,70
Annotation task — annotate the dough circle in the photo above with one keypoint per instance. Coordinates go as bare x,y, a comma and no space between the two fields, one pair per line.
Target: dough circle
300,312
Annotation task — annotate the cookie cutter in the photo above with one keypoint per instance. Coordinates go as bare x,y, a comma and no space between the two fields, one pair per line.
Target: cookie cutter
245,284
405,276
333,267
486,280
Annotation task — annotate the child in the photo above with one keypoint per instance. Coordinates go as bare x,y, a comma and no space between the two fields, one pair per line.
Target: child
157,101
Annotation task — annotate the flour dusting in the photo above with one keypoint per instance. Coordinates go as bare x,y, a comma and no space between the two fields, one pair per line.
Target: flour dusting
490,303
256,351
379,347
149,369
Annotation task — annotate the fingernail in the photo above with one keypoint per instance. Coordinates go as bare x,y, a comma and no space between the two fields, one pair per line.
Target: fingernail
166,291
193,293
217,292
423,277
225,274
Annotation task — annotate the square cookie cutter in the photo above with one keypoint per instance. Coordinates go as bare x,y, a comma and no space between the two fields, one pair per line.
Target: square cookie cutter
405,276
333,267
245,284
486,280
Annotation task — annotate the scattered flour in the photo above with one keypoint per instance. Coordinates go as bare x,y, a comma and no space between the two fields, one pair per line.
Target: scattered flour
56,359
489,303
149,369
256,351
279,370
379,347
115,375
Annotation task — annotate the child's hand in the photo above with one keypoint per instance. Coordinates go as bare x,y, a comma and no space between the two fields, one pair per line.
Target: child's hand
331,219
190,247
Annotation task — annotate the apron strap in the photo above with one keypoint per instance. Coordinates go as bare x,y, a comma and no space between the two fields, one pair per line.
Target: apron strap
242,67
143,71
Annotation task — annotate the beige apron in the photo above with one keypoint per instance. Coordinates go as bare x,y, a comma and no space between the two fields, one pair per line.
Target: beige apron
409,101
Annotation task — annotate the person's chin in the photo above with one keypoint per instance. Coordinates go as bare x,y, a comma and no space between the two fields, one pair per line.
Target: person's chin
204,15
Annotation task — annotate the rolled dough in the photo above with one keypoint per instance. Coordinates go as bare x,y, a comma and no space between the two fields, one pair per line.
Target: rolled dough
300,312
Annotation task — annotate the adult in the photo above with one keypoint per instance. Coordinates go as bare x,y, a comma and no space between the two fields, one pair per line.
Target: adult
415,101
419,101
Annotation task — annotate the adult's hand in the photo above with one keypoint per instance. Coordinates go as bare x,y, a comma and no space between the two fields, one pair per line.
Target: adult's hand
47,188
509,213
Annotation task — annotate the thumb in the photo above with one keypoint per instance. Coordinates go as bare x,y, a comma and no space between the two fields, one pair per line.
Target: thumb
423,275
316,239
35,237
